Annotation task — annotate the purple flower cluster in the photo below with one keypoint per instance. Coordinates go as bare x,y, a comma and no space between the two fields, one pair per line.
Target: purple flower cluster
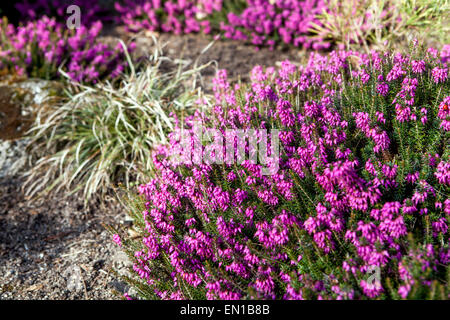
380,137
444,113
445,53
261,22
91,11
179,17
39,48
417,267
345,200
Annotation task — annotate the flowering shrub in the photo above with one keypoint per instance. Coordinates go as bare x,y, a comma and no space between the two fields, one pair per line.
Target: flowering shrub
357,209
102,134
168,16
91,11
266,22
39,48
315,24
382,22
261,22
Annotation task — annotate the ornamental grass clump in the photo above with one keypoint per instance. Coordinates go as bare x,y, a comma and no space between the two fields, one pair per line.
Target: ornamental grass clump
382,23
356,207
40,48
102,135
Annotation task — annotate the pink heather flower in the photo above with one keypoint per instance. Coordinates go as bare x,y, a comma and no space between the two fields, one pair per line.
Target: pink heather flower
383,88
116,239
433,52
284,110
447,206
19,70
432,160
439,74
126,296
440,226
380,138
444,113
380,117
395,73
445,53
412,177
371,290
443,172
418,66
423,120
364,77
28,59
403,290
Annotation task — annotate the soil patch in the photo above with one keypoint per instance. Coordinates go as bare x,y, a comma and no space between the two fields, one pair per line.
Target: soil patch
56,249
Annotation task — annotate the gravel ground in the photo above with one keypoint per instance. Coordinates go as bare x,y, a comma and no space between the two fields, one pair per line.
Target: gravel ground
56,249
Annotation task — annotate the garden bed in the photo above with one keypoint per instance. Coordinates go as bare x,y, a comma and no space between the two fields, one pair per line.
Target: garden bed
355,94
41,241
55,248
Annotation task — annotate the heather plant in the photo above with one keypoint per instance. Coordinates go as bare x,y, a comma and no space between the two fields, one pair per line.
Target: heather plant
382,23
92,11
357,207
316,24
271,22
179,17
102,135
40,48
260,22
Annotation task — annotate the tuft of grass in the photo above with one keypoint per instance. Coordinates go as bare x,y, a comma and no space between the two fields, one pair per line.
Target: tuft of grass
104,134
381,24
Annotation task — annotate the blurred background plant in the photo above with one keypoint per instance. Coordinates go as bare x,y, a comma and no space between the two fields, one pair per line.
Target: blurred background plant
92,11
382,23
316,24
39,48
104,134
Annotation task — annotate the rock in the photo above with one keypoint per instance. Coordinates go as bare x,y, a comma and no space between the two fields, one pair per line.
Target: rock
13,156
74,278
19,100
